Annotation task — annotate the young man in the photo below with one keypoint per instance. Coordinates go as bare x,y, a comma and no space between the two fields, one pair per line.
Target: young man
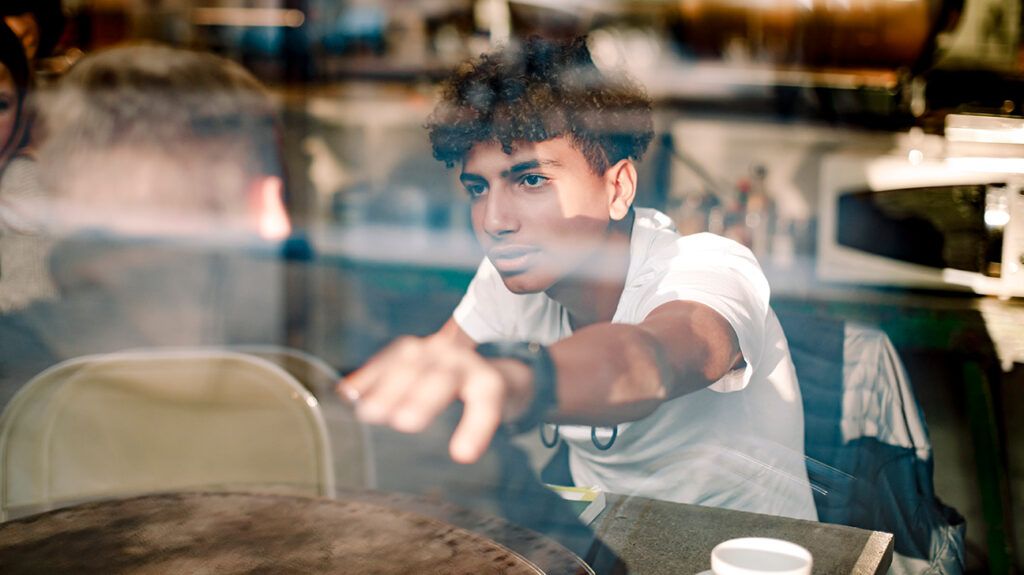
665,369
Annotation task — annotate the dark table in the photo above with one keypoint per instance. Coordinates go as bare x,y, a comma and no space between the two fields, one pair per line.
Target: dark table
262,533
370,531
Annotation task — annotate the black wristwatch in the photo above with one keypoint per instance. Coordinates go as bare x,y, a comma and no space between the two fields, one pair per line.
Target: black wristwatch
537,358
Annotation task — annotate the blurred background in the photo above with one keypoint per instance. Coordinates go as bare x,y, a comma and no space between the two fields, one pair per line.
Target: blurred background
863,149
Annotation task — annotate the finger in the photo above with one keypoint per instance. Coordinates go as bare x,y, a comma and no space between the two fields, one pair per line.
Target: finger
483,396
435,391
347,392
437,388
356,384
377,404
359,383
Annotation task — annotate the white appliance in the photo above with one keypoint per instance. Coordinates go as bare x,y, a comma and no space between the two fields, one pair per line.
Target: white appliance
904,220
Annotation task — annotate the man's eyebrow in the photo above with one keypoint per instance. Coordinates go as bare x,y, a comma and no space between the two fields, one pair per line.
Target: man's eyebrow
469,177
529,165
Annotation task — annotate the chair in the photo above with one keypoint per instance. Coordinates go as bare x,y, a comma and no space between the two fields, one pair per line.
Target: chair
350,440
868,453
159,420
312,372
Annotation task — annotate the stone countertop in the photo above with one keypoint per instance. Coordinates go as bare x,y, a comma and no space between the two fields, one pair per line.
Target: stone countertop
659,537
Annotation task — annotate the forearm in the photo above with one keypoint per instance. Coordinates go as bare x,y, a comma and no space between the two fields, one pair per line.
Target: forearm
611,373
605,374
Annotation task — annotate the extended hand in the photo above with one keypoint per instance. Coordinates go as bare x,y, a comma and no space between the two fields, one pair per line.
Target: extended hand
410,382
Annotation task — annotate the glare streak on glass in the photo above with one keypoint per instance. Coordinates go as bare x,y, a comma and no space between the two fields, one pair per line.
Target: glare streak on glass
248,17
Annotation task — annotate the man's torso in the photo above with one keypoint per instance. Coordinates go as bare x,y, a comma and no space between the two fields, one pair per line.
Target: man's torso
736,444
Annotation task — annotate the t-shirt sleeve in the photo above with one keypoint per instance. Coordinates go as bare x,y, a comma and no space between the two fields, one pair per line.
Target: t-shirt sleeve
724,276
479,312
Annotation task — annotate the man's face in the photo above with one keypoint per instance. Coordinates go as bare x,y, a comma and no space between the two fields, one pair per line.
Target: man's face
539,212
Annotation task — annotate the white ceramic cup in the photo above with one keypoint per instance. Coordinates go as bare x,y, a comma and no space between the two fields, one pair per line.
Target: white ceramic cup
760,556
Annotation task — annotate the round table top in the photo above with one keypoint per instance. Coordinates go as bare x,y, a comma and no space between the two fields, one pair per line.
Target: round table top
245,533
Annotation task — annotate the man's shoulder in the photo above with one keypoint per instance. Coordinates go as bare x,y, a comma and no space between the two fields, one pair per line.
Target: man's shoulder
656,241
703,265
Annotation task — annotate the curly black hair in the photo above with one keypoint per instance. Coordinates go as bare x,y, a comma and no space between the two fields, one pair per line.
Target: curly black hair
537,91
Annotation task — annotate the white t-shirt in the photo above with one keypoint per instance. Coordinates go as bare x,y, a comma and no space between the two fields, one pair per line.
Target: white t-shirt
737,443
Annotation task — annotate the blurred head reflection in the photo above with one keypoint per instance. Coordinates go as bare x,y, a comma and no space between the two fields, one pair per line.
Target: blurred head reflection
163,171
156,141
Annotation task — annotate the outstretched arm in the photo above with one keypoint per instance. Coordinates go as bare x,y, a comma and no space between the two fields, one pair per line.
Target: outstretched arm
607,374
611,373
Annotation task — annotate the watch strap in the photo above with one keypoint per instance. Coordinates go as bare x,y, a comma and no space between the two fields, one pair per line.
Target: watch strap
537,358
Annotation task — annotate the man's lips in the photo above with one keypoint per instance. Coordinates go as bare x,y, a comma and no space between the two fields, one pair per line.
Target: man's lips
511,258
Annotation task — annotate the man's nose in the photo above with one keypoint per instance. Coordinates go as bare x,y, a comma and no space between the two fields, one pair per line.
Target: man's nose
499,213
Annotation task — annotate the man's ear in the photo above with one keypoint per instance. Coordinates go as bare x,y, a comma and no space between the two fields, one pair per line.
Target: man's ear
621,182
267,193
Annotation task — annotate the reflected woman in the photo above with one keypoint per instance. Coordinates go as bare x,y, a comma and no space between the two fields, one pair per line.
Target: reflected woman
14,79
23,249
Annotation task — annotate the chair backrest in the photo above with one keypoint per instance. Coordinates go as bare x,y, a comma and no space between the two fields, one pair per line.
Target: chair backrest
312,372
868,451
354,466
160,420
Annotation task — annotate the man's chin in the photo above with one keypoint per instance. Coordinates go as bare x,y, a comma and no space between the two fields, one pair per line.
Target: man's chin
522,284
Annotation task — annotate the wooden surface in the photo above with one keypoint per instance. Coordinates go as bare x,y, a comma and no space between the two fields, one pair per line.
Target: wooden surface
544,552
248,533
659,537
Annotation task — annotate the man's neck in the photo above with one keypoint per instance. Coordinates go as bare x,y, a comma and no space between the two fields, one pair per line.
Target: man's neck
591,295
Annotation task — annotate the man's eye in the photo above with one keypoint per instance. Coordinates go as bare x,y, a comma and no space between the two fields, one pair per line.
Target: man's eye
475,191
533,180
